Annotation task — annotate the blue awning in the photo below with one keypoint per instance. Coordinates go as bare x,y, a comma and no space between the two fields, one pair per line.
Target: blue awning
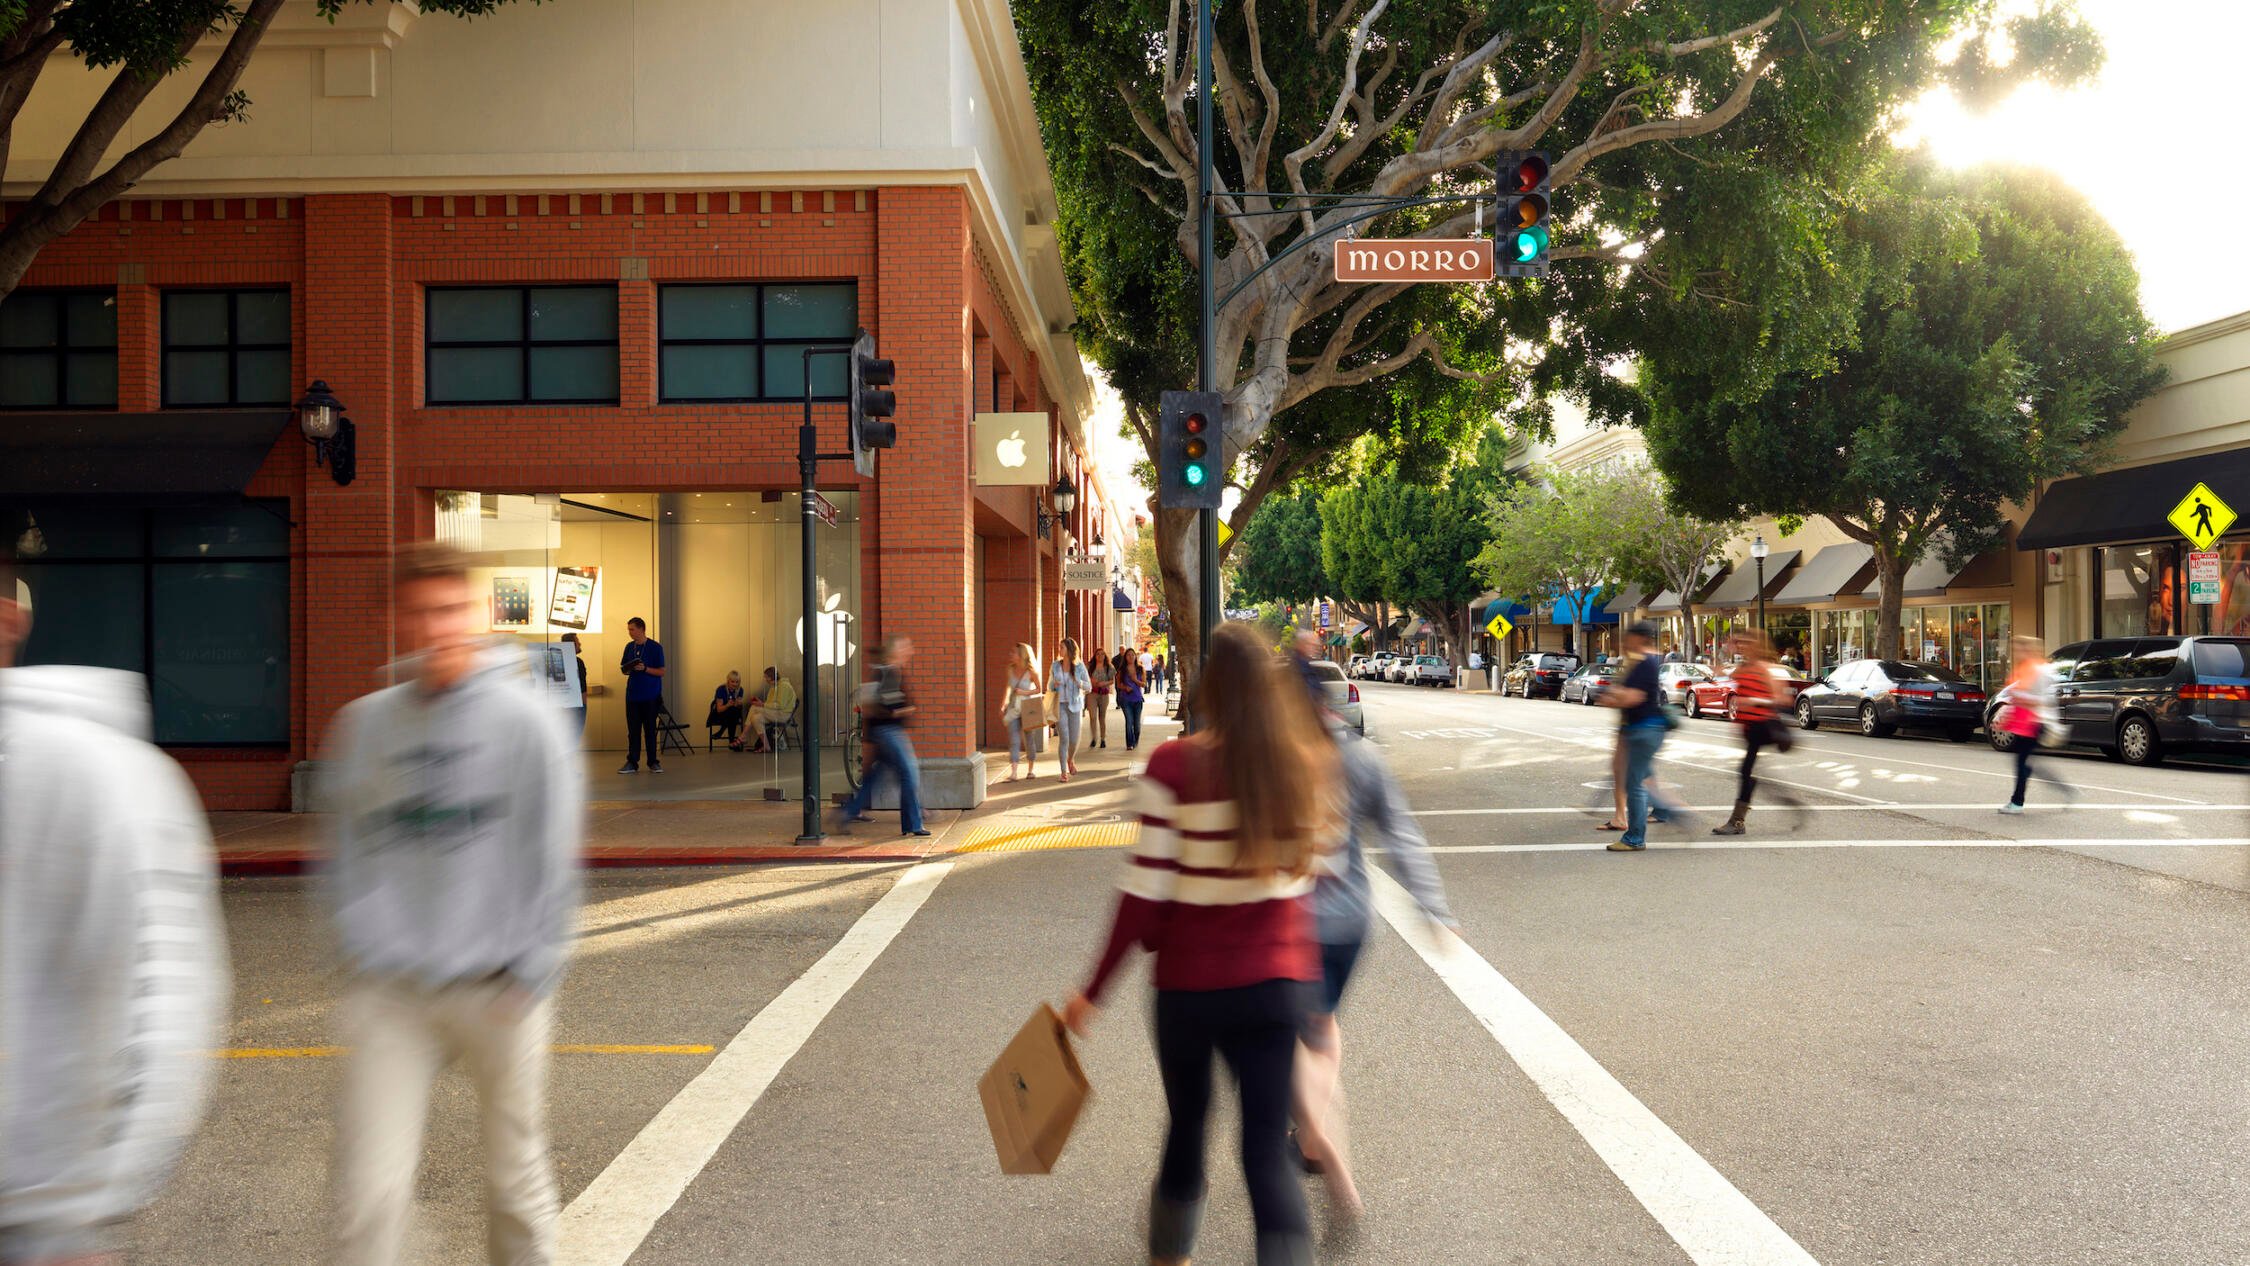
1118,601
1567,608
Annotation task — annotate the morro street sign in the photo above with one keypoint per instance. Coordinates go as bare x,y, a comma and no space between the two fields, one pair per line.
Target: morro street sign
1415,259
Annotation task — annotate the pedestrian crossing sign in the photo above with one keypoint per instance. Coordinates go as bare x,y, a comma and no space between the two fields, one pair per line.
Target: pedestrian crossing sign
1498,625
2201,516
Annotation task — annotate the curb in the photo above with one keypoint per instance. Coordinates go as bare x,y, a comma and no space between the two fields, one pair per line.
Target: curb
296,864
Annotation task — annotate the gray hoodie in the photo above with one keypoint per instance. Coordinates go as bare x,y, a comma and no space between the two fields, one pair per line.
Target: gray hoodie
1343,894
113,969
460,818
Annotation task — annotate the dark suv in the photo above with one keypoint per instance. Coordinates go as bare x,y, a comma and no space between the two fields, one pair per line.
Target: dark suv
2137,698
1539,674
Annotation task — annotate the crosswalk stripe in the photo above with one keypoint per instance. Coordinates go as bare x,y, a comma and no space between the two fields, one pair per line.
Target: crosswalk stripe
1712,1221
1661,845
605,1225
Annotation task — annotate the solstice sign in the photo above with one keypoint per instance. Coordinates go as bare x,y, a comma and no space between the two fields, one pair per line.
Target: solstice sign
1415,259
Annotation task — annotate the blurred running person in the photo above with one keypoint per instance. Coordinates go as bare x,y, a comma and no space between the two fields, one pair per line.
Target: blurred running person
1234,820
1758,707
887,708
113,968
453,884
1343,899
2027,711
1638,693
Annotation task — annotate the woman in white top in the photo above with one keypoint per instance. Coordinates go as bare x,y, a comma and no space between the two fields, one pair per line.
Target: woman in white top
1071,684
1024,743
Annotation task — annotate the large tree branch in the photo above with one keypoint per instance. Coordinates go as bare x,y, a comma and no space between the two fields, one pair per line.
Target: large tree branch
1294,162
1685,47
1709,121
1261,157
1457,80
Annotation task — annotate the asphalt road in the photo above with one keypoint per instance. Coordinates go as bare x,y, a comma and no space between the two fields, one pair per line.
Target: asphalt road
1880,1028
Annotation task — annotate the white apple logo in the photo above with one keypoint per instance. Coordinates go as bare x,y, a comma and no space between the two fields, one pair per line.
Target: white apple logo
1010,450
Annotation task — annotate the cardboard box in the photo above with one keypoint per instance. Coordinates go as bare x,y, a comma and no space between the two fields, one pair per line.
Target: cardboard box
1033,1094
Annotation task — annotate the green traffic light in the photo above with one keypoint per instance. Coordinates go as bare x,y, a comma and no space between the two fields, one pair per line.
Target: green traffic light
1193,475
1531,243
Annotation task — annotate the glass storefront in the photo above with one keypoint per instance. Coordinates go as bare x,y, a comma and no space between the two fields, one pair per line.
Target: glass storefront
2230,615
2141,590
1969,638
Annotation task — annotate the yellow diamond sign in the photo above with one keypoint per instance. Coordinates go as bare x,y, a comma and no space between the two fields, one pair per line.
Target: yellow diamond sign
2201,516
1498,625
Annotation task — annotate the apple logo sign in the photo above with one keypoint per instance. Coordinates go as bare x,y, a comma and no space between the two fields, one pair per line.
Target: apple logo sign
1010,450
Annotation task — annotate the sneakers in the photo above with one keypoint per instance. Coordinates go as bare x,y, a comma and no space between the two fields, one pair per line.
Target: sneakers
655,768
629,769
2012,810
919,833
1620,846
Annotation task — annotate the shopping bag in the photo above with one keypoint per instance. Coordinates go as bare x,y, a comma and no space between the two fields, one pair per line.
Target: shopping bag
1032,1095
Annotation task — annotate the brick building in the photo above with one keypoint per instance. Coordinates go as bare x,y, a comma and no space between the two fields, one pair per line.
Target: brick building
562,293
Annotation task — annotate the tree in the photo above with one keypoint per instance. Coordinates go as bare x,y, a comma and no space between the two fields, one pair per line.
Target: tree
145,41
1661,545
1697,145
1280,552
1557,533
2004,347
1416,544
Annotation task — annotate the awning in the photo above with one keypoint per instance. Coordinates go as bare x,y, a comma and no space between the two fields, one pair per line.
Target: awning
1480,612
1119,600
1839,571
1669,600
1416,629
1626,599
1930,577
151,456
1741,588
1567,608
2121,506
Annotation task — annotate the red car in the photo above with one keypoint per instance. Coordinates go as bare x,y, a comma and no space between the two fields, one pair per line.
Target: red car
1715,698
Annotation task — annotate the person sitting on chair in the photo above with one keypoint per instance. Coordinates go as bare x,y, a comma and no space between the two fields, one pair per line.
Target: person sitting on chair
729,707
776,703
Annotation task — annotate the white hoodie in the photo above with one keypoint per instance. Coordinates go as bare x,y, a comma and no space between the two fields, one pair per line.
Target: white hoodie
113,970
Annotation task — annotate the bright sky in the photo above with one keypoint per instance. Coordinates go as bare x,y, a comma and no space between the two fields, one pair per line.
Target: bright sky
2152,143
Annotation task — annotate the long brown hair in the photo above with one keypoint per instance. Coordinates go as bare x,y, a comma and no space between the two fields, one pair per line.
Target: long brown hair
1275,755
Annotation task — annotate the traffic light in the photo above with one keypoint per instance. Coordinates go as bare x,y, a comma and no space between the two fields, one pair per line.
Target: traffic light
872,404
1523,239
1190,467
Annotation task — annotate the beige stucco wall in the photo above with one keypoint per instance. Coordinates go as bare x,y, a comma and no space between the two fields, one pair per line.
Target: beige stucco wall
2205,406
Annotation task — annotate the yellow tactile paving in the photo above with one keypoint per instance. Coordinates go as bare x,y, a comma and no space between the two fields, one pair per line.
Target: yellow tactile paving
565,1048
1004,836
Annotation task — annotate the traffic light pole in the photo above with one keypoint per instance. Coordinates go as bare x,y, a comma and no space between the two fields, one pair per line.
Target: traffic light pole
809,458
1207,603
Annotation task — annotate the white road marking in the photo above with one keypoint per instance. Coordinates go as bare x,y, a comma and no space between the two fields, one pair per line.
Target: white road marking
1810,746
1712,1221
2133,812
1593,743
607,1222
1661,846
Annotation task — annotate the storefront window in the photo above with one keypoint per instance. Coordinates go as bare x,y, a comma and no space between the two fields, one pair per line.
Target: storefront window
1937,636
226,347
1996,633
522,345
741,342
2230,615
2140,590
197,601
58,349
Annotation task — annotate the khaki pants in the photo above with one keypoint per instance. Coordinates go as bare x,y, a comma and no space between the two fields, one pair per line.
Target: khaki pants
401,1035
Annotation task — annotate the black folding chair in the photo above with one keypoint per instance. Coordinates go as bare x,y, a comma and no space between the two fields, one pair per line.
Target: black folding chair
670,731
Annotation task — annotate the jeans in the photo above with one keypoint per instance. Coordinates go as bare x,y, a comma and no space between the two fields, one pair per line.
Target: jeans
2023,747
1641,742
1067,724
894,756
401,1035
1132,710
1020,746
1255,1030
640,719
1097,707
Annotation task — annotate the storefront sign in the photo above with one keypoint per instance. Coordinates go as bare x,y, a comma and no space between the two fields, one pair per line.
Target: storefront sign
1084,575
1012,449
2203,578
2201,516
1415,259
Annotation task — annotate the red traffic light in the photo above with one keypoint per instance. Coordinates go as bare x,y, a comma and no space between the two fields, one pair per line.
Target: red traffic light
1195,424
1530,173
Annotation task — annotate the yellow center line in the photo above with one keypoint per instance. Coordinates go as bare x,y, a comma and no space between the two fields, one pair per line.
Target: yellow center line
565,1048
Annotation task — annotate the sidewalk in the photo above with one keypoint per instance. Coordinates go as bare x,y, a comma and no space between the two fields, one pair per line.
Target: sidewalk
1090,811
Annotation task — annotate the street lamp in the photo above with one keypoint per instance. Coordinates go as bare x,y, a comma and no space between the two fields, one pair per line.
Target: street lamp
1758,551
1063,498
334,439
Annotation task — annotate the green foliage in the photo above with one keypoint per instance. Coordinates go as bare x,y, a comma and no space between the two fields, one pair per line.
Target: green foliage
1559,532
1279,555
1386,538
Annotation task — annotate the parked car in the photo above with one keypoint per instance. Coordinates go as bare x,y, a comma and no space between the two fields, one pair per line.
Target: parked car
1677,677
1377,664
1431,670
1539,674
1343,696
1395,672
1714,696
1880,695
2138,698
1587,684
1351,669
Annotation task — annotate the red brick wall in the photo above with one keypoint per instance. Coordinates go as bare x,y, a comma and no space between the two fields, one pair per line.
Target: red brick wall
357,265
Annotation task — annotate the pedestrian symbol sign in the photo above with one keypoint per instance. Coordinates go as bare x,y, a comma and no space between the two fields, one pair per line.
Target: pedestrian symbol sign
1498,625
2201,516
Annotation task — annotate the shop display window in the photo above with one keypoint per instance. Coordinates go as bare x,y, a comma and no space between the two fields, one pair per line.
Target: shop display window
2230,615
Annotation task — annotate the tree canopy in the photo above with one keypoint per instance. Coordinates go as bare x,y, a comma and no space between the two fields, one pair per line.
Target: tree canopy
1662,546
144,41
1280,553
1998,342
1558,533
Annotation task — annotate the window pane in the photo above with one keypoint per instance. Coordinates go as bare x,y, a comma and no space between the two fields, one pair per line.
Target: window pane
785,374
1996,662
221,639
578,312
29,380
91,379
91,319
195,377
574,373
29,320
194,318
472,374
476,316
88,613
261,378
811,311
710,373
77,531
222,531
261,316
710,312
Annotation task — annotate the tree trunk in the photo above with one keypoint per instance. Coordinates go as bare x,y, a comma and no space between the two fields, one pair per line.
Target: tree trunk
1178,556
1890,573
1690,641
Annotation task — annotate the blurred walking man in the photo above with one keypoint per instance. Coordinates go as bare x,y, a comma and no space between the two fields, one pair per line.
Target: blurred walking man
454,883
113,972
